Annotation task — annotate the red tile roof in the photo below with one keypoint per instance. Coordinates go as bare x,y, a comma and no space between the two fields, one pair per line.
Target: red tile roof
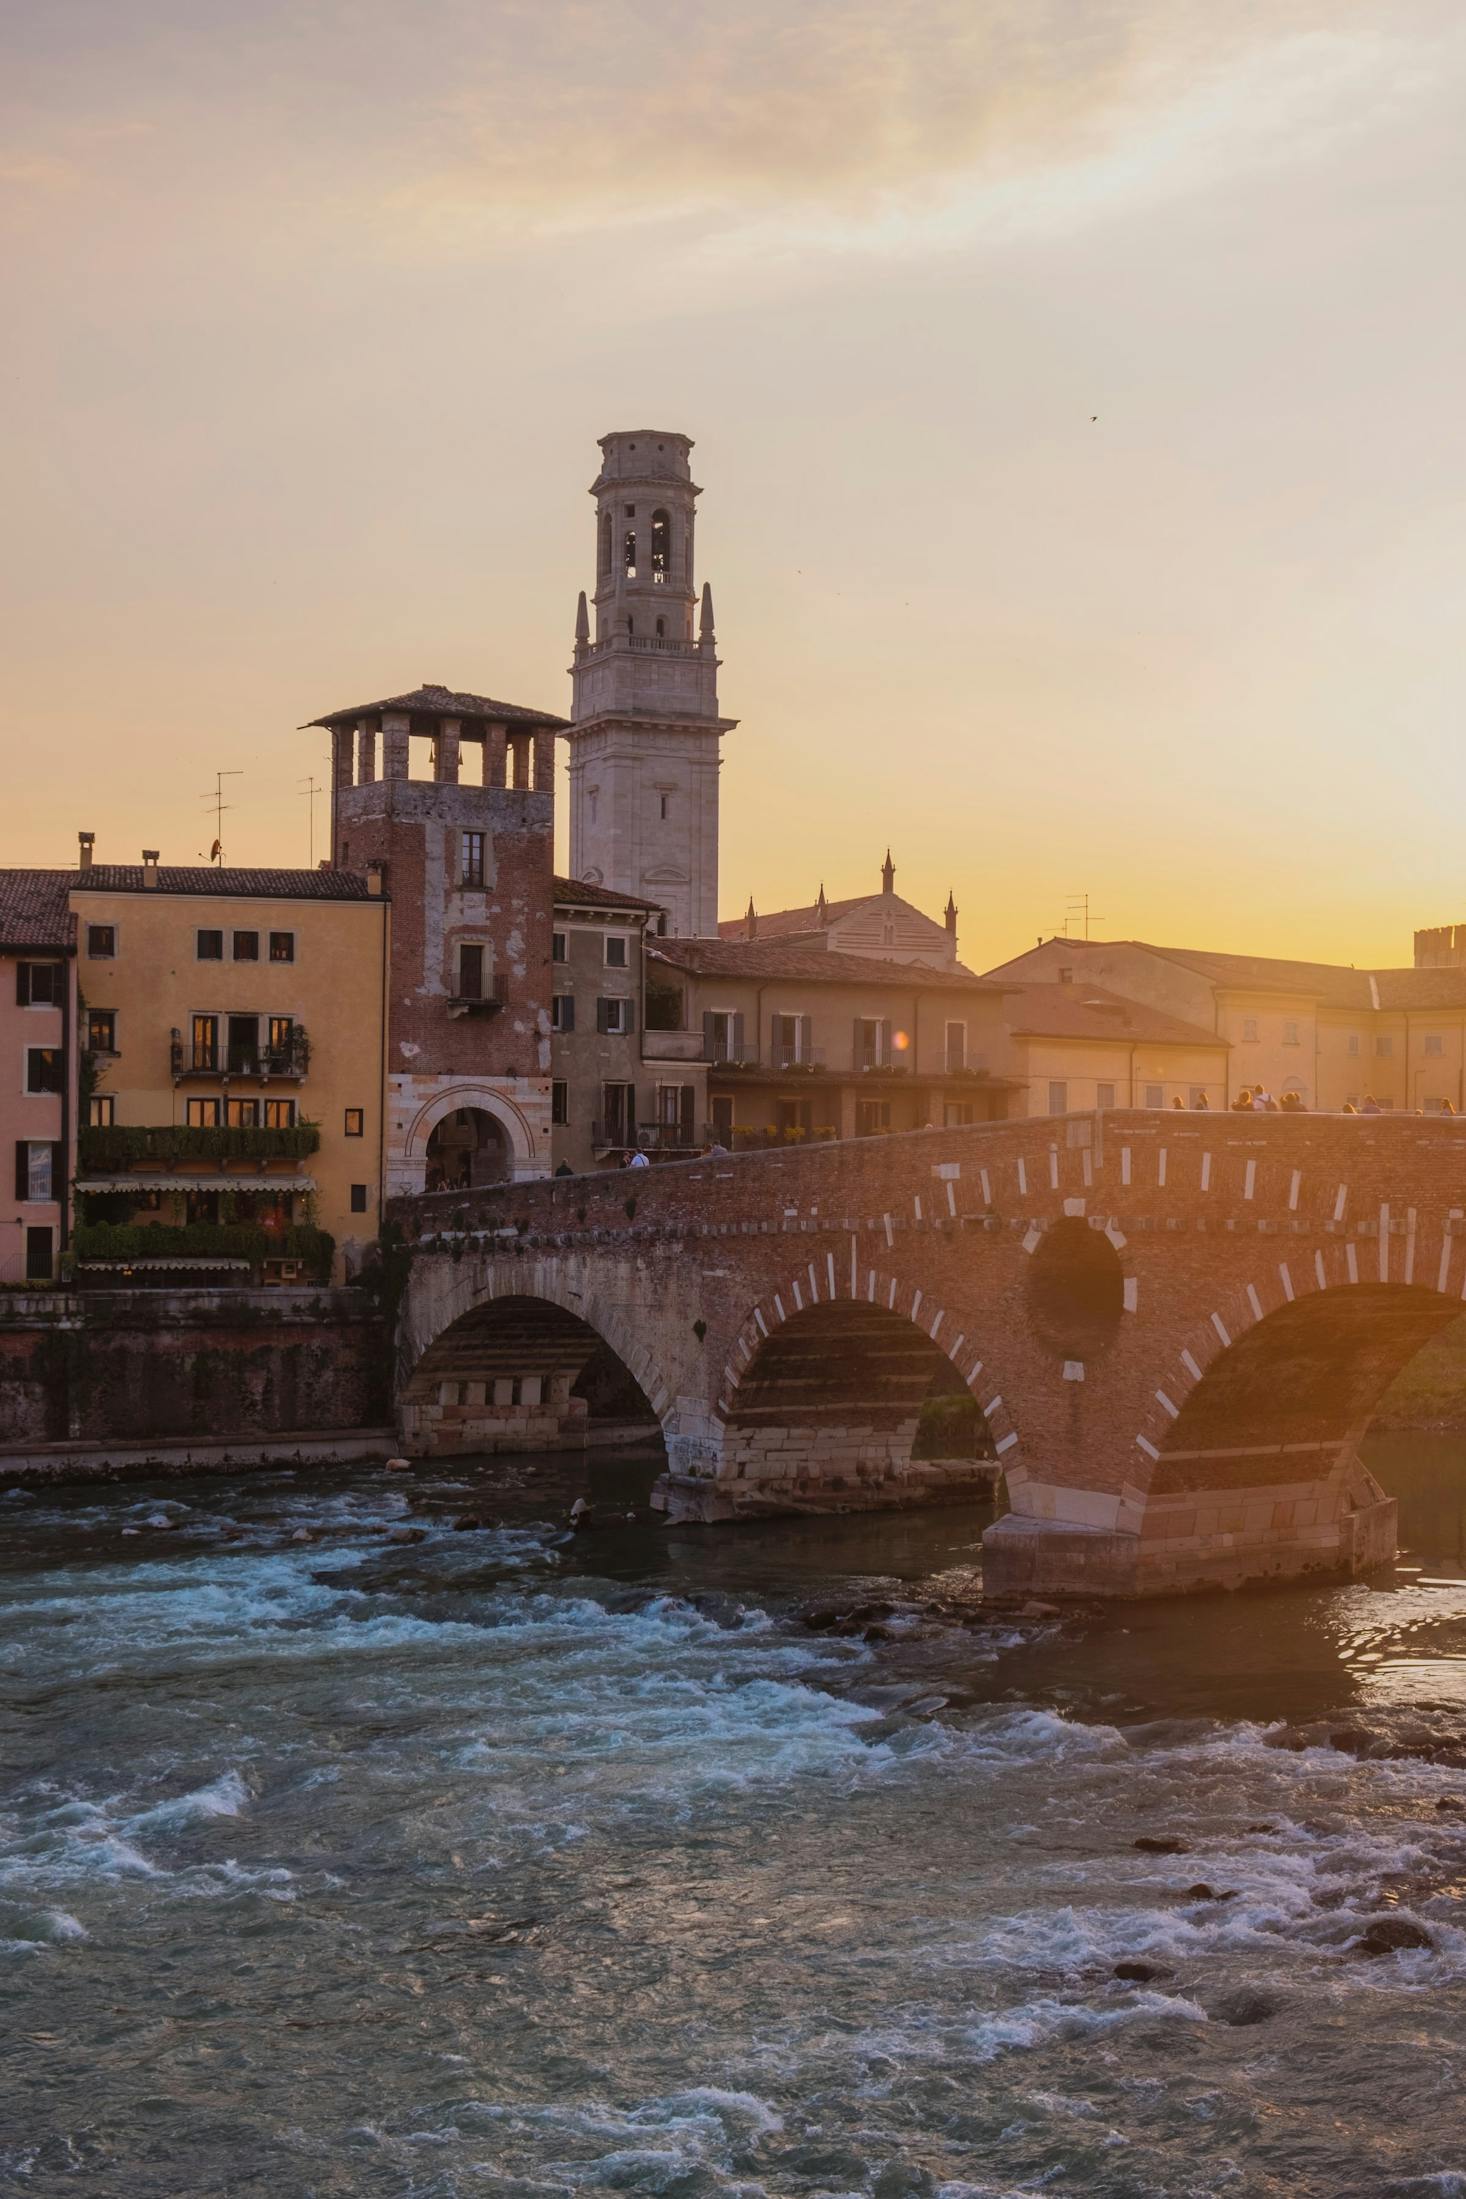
279,885
577,892
772,958
1090,1011
1330,984
35,911
432,701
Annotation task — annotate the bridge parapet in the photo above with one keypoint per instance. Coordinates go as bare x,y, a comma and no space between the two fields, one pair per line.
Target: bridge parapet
1140,1449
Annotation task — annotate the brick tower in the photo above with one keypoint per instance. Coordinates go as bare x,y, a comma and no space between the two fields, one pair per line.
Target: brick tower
645,729
451,797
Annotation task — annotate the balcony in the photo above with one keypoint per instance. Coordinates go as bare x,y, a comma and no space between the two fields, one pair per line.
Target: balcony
665,1138
492,995
289,1061
169,1145
160,1245
671,1045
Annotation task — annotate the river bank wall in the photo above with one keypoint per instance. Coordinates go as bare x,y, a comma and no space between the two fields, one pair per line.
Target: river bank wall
103,1382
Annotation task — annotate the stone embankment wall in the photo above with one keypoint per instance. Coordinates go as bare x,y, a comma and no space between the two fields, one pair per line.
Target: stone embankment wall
89,1371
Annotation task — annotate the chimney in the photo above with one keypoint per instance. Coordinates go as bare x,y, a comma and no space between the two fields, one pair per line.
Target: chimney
150,866
374,871
86,841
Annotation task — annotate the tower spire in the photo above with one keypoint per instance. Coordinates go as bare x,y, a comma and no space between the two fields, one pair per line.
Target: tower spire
750,920
582,624
888,874
706,632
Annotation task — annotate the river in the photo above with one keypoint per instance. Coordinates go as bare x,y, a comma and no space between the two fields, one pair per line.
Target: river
752,1862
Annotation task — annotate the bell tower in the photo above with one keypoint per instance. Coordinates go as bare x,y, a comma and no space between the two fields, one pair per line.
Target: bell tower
645,730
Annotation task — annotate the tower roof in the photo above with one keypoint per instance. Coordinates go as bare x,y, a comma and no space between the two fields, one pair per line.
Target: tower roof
433,701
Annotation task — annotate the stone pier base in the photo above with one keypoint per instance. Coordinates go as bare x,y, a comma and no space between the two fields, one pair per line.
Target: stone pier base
705,1500
1049,1558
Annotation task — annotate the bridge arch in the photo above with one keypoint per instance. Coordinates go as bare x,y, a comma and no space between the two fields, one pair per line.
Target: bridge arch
501,1359
1252,1446
823,1389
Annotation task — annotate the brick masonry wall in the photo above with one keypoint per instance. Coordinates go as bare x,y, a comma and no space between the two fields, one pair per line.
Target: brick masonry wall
129,1367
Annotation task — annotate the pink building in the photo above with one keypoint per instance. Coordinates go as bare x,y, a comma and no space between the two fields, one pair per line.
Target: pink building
38,1071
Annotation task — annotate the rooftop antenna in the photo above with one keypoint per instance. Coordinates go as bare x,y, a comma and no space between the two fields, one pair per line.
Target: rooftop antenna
1076,911
311,787
218,804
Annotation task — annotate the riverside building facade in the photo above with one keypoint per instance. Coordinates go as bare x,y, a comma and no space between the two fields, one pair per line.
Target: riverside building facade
38,1072
232,1051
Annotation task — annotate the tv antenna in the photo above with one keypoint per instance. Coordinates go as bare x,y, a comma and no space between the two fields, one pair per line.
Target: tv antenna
1076,912
218,804
311,787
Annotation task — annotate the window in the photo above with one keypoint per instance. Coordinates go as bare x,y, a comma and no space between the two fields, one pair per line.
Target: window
358,1198
242,1114
40,1260
37,1171
355,1122
279,1114
1104,1095
721,1105
101,1111
616,955
242,1055
792,1041
557,946
470,973
1353,1042
39,984
618,1114
1384,1044
247,946
628,552
675,1105
1155,1095
562,1012
101,1031
101,941
872,1117
43,1069
282,946
1434,1043
957,1113
209,946
471,865
282,1040
872,1042
202,1114
1290,1035
661,548
206,1042
559,1101
665,802
614,1018
1058,1097
1249,1028
956,1047
722,1034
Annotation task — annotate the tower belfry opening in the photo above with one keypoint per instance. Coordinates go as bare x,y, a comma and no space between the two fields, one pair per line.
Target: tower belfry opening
645,730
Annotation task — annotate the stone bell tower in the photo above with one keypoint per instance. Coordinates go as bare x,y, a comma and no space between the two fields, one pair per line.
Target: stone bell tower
645,730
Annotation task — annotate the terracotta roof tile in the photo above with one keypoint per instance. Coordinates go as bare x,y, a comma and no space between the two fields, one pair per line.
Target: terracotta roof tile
282,885
433,701
1090,1011
35,910
770,958
579,893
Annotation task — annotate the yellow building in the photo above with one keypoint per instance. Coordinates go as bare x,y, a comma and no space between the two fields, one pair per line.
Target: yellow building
232,1027
1075,1047
1326,1034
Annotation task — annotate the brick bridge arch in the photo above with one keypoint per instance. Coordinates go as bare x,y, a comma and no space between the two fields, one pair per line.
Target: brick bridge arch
1215,1227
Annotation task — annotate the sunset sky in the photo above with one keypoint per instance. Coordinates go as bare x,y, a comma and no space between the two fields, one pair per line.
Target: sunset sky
316,308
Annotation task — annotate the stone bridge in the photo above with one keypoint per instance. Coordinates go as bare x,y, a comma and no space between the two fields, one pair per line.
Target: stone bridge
1177,1327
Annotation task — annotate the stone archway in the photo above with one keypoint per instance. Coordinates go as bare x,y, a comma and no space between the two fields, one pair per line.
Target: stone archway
467,1150
425,1136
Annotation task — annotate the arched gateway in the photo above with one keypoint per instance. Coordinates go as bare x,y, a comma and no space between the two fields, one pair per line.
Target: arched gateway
1176,1328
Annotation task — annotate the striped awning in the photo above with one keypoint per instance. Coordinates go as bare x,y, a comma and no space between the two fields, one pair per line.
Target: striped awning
140,1183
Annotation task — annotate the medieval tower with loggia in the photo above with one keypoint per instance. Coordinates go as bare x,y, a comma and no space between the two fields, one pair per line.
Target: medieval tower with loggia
645,730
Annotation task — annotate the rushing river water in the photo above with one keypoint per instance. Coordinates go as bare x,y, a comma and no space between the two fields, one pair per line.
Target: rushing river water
491,1863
